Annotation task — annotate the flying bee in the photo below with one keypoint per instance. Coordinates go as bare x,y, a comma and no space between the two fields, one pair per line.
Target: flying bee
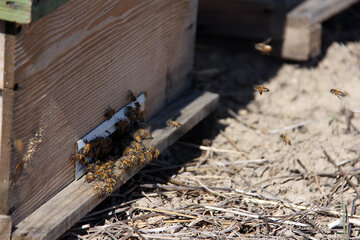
109,112
131,96
264,47
337,93
285,139
260,89
90,177
171,123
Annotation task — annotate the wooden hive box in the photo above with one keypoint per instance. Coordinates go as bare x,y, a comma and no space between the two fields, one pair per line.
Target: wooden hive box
59,73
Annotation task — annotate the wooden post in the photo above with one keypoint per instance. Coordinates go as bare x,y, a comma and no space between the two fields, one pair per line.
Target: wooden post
5,227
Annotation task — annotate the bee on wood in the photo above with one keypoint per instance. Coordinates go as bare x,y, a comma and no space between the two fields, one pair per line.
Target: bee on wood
156,154
18,145
17,171
108,188
131,96
285,139
142,133
337,93
109,112
148,156
86,149
80,158
171,123
135,145
122,126
261,89
264,47
137,139
90,177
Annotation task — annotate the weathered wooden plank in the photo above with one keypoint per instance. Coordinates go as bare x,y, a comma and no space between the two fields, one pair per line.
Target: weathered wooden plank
5,227
16,11
311,12
6,70
75,62
68,206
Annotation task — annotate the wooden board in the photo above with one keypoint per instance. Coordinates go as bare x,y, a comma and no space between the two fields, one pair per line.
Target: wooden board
27,11
5,227
71,65
249,19
68,206
302,37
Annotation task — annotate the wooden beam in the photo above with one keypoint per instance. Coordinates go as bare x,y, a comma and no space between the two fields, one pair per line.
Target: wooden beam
75,62
311,12
5,227
302,35
67,207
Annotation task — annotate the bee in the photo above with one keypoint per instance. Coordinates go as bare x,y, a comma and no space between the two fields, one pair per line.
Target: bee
260,89
137,139
129,151
109,112
110,180
264,47
90,177
86,149
156,154
17,171
80,158
108,188
96,187
131,96
171,123
135,145
148,156
18,145
285,139
142,158
337,93
142,133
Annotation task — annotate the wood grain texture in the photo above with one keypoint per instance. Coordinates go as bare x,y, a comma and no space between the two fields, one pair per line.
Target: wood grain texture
5,227
80,59
6,73
67,207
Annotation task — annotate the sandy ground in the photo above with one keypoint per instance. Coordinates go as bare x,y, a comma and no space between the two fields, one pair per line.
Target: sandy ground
259,166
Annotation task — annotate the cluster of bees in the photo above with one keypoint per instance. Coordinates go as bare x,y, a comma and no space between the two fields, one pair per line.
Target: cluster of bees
265,48
127,144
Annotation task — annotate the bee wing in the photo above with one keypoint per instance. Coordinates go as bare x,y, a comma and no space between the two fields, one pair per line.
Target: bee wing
267,40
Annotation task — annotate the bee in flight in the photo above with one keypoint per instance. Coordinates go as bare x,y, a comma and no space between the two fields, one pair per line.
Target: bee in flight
264,47
285,139
337,93
261,89
171,123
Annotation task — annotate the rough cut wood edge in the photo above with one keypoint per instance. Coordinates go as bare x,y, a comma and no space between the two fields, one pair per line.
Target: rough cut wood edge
7,76
77,61
5,227
67,207
301,43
